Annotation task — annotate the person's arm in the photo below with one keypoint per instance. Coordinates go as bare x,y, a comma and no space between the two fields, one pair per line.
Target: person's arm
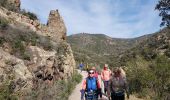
99,89
102,75
110,72
126,86
98,84
83,89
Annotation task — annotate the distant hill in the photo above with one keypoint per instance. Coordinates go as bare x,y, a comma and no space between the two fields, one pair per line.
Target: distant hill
148,66
99,48
157,44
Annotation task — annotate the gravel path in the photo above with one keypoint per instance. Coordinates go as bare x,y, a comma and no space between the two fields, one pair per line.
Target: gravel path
76,95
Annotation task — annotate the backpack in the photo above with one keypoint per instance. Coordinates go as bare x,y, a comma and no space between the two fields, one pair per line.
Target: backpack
91,84
91,88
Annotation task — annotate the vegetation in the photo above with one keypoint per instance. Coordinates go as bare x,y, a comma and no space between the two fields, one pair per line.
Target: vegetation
148,68
18,39
150,80
3,23
65,88
163,7
99,48
6,92
31,15
60,91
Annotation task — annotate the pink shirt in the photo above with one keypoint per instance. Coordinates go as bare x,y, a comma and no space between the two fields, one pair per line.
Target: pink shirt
105,75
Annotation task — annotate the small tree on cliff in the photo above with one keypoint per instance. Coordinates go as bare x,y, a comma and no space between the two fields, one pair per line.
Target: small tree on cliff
163,7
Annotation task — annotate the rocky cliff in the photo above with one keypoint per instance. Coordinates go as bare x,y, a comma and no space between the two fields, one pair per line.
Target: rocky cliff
33,55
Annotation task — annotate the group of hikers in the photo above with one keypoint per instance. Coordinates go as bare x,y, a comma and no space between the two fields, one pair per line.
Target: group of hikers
115,84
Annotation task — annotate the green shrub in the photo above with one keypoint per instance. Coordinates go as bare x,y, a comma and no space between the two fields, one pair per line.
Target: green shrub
77,77
167,52
3,23
45,42
6,93
154,79
18,46
2,40
66,87
29,14
26,56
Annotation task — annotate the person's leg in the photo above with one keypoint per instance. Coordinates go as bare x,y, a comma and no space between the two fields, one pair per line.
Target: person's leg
96,97
105,84
122,97
112,96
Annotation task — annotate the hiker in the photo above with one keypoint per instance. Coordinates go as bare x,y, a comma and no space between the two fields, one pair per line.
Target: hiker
87,67
118,86
95,72
96,75
81,66
105,76
91,87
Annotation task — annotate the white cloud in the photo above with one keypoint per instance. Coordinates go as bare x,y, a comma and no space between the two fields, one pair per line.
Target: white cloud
114,18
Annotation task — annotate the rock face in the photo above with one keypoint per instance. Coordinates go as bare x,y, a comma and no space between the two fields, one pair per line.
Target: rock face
14,69
44,66
50,64
56,25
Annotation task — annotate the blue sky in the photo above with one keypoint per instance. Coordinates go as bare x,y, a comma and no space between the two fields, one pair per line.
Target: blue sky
115,18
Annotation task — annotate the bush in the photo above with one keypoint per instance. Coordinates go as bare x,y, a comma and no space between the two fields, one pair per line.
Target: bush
3,23
29,14
65,88
150,81
46,43
2,40
77,77
6,93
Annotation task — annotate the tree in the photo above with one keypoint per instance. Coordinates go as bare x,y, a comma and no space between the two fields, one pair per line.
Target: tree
163,7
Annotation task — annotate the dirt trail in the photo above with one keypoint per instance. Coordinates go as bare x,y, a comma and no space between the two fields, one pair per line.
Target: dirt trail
76,95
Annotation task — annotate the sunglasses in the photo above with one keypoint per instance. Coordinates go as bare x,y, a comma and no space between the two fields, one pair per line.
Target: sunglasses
91,72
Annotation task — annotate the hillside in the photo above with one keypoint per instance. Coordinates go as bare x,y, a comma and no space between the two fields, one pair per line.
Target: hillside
147,66
146,59
99,48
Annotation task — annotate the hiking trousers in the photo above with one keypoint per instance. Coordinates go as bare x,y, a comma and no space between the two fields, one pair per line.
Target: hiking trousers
106,84
115,97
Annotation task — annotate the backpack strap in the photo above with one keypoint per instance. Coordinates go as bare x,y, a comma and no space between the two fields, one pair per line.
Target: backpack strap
87,83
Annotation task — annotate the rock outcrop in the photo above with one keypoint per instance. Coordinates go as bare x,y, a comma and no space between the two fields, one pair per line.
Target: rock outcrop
56,25
43,65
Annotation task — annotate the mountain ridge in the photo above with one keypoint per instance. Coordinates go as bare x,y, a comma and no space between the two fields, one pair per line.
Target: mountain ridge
101,45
